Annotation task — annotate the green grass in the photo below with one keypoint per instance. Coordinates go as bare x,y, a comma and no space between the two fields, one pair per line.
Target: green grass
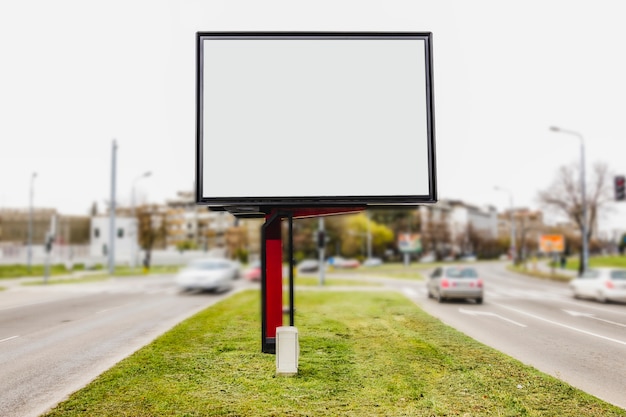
80,280
572,264
20,270
362,354
598,261
119,272
309,281
391,270
123,271
521,269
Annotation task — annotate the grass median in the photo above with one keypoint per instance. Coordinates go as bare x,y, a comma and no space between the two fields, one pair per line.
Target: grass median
362,354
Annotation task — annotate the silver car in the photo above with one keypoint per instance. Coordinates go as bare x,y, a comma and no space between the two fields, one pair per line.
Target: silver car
602,284
212,274
455,282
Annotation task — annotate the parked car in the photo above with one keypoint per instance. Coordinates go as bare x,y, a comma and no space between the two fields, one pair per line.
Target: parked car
253,273
602,284
372,262
470,257
308,265
428,258
212,274
339,262
455,282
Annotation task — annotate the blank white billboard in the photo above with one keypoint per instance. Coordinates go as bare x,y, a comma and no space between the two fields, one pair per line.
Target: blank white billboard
314,119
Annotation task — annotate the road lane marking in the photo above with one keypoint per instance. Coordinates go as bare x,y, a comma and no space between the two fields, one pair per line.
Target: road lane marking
610,339
410,292
488,313
106,310
591,316
8,338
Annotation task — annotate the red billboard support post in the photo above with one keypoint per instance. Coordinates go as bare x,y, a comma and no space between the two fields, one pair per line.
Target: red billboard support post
271,281
272,268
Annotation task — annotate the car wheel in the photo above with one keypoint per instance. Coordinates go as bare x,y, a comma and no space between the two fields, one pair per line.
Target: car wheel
440,298
479,300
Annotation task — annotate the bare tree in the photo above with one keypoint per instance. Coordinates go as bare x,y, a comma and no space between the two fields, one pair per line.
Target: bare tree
152,229
564,196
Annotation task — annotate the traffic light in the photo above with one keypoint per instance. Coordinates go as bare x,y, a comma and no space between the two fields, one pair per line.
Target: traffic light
321,239
49,242
620,188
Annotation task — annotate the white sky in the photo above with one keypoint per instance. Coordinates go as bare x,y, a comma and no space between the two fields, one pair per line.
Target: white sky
74,75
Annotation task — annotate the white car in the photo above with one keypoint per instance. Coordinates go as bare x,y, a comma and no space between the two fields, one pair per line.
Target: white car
455,282
211,274
373,262
602,284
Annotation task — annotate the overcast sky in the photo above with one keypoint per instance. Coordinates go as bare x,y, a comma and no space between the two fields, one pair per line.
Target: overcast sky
75,75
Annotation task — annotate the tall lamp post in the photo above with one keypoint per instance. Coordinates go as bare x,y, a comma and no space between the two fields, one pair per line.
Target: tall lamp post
133,244
585,249
30,222
512,247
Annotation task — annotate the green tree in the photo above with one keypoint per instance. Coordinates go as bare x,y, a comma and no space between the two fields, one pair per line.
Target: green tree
354,236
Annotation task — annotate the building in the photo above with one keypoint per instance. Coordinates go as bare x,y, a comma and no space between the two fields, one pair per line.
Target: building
70,234
451,226
195,227
124,238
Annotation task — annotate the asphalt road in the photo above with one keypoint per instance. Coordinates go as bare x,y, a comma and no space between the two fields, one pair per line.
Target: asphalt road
56,339
539,323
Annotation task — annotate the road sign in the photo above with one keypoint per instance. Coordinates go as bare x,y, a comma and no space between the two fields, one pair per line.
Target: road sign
409,242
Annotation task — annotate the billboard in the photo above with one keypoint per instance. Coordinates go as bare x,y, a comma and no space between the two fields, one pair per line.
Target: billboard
551,243
409,242
314,119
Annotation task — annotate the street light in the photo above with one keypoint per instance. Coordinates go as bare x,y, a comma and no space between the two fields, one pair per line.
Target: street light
582,190
133,243
30,222
512,247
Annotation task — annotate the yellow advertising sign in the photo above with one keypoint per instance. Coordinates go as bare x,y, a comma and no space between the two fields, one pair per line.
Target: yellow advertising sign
551,243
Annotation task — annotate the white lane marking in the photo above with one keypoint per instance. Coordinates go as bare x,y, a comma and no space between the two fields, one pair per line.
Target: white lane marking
591,316
410,292
488,313
8,338
112,308
621,342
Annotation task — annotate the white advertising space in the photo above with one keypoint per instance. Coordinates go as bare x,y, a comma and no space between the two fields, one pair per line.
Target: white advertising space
310,117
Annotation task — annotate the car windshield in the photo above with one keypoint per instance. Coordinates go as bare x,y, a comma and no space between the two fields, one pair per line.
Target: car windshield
618,274
461,273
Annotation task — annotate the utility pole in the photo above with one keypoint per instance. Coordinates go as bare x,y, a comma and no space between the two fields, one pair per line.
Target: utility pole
30,223
112,210
584,228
